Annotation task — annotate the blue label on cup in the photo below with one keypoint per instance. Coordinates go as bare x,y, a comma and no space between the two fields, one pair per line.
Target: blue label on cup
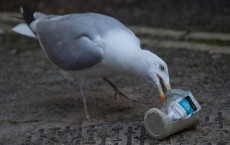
186,106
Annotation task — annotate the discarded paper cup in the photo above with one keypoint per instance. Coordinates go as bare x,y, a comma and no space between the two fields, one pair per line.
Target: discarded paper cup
159,125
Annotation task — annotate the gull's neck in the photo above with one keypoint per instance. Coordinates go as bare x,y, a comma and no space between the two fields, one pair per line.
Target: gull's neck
138,66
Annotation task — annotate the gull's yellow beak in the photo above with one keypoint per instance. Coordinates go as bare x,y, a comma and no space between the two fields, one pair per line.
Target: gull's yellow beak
163,87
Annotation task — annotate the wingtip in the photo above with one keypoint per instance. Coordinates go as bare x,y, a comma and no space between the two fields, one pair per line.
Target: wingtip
27,13
23,7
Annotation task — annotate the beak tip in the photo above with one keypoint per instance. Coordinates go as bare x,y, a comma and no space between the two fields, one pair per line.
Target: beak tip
162,99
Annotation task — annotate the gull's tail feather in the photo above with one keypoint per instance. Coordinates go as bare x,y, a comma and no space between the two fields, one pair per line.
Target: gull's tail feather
28,14
24,29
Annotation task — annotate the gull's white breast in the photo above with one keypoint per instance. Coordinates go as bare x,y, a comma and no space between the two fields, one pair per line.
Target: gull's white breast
120,49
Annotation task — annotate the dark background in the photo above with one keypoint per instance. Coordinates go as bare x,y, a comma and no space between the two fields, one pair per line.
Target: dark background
191,15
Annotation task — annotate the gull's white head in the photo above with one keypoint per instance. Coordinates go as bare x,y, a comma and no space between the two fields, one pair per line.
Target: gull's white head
157,72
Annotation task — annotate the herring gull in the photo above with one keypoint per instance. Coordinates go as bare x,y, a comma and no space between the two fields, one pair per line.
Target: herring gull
93,45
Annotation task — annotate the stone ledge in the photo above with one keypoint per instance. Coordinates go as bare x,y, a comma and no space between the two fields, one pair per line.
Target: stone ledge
119,133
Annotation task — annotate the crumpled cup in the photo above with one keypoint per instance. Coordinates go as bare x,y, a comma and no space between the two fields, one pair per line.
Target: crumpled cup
161,123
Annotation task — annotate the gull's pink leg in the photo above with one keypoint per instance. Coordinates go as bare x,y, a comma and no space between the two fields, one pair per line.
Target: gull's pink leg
118,92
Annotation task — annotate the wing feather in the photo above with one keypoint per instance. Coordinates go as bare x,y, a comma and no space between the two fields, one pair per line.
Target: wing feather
68,46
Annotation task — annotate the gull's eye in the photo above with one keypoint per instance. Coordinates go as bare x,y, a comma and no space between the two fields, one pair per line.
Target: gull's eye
162,68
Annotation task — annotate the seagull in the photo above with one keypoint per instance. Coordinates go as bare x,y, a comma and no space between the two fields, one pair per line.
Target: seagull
93,45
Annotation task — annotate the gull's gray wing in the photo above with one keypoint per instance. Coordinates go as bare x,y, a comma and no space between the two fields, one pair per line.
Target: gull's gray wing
70,41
